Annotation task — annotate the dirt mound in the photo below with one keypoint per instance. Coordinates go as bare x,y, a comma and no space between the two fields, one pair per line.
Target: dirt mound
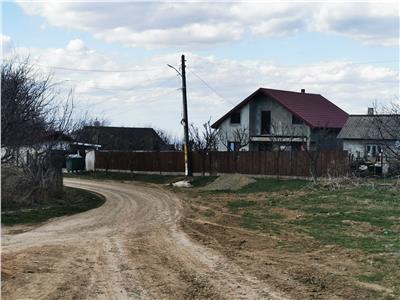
229,182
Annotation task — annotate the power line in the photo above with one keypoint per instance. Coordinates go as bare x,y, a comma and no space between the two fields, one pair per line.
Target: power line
315,64
97,70
163,81
211,88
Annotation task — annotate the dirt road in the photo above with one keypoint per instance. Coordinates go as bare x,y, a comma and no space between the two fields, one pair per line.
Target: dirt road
130,248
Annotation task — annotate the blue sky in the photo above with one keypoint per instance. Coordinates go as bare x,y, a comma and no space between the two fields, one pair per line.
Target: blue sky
347,52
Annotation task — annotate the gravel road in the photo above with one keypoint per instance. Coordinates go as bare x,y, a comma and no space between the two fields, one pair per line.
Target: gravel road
129,248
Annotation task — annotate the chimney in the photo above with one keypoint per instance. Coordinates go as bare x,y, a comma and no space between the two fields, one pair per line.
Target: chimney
370,111
303,91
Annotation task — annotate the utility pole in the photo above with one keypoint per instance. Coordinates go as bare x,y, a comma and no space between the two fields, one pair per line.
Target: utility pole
185,121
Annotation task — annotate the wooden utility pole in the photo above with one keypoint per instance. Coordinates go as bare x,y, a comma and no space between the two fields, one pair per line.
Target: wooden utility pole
185,121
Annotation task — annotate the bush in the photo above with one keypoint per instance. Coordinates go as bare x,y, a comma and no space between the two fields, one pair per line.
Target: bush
18,189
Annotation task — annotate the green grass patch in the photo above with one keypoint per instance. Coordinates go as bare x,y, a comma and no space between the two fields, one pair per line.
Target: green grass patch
365,218
72,201
209,213
125,176
273,185
362,218
372,278
235,205
263,222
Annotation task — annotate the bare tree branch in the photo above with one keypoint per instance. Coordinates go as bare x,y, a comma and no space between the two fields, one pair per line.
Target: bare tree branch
203,142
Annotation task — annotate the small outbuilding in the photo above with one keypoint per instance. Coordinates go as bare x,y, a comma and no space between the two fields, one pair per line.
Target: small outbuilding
371,136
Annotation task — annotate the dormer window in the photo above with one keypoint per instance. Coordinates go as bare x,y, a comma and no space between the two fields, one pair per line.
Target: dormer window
296,120
235,117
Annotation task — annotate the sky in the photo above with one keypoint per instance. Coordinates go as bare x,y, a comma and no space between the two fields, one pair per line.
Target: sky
114,56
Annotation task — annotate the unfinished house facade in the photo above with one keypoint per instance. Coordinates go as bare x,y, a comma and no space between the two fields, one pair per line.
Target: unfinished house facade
277,119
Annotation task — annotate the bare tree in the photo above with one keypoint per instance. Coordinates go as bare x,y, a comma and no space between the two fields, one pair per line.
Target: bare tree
203,142
25,105
313,152
238,138
35,118
165,136
386,128
282,138
169,139
79,133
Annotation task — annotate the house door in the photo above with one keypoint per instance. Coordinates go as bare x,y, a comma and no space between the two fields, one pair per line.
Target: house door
266,122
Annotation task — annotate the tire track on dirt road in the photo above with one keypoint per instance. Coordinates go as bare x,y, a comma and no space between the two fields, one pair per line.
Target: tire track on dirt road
129,248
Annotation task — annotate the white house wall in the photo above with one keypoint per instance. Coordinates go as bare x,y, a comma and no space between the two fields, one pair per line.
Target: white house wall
90,160
358,146
250,118
354,146
229,128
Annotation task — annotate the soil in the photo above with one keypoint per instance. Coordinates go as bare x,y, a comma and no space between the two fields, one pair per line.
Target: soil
293,263
132,247
154,242
229,182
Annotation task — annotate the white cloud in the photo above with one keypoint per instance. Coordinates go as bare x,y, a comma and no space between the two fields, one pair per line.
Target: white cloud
157,24
369,23
6,43
193,34
279,27
149,93
76,45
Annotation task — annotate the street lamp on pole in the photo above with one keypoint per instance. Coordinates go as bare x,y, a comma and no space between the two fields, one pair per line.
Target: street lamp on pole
184,121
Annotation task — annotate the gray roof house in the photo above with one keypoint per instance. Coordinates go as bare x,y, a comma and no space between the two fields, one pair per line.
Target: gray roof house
121,138
369,135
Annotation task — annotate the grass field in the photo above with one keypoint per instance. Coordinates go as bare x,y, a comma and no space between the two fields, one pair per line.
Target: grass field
71,202
330,216
362,221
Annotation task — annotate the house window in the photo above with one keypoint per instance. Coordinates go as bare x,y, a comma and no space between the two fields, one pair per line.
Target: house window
233,146
266,122
296,120
373,150
235,118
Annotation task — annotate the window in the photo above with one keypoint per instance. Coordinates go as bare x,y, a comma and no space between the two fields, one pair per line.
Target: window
373,150
232,146
235,117
297,120
265,122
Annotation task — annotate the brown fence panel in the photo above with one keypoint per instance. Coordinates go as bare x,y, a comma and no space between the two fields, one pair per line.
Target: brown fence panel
333,163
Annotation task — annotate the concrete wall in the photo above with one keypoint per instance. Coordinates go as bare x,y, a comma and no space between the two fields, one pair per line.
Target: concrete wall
281,118
227,127
250,116
90,160
327,140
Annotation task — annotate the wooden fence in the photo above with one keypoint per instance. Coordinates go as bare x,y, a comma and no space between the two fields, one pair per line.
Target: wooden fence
334,163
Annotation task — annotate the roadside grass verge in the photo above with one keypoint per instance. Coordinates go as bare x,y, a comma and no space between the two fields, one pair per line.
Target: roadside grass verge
200,181
125,176
71,202
274,185
263,185
197,181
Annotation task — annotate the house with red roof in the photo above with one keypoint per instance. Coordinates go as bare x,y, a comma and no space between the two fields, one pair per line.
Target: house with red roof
276,118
